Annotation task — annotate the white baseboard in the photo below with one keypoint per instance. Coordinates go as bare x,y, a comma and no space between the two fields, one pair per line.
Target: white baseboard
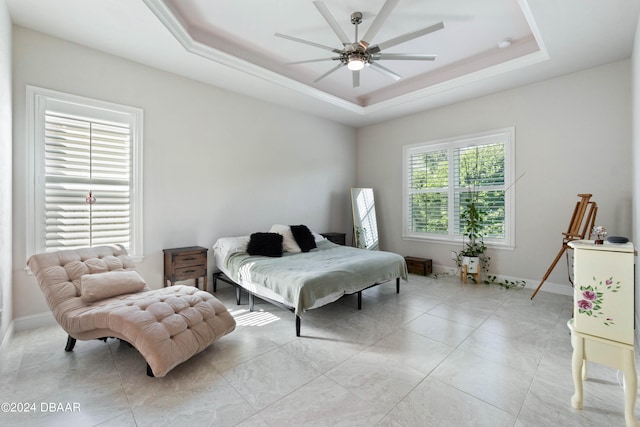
555,288
33,321
7,337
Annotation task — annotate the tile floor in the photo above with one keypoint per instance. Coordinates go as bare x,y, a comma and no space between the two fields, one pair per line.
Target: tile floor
438,354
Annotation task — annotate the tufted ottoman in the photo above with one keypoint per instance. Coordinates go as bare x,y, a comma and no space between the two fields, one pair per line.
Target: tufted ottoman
96,293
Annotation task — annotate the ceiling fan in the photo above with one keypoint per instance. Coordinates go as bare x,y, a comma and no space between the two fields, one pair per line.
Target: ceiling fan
355,55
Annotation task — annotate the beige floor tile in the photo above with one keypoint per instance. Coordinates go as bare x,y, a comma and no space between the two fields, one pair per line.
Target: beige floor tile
438,354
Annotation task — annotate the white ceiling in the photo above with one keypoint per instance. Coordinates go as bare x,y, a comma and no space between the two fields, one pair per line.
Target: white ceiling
231,44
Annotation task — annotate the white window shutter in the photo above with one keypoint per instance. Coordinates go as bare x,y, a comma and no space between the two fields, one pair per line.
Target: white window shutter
440,176
87,168
87,182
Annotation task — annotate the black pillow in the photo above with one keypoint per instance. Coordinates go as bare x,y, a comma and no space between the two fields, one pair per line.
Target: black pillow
304,237
265,244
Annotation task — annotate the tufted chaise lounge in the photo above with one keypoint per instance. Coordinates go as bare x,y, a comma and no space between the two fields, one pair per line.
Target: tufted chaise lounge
96,293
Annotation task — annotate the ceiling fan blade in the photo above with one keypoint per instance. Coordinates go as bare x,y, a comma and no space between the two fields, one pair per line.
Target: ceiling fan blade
307,61
382,16
328,72
405,38
356,78
387,72
324,11
295,39
405,56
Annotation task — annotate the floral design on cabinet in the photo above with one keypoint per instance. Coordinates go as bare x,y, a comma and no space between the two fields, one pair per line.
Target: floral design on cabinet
592,301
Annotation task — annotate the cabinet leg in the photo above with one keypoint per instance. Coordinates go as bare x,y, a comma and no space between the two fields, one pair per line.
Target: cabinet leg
577,365
630,389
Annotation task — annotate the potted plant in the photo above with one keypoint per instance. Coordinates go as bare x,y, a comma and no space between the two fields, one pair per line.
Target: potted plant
473,253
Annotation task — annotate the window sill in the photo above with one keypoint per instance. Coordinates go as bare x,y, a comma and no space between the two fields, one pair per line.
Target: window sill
445,241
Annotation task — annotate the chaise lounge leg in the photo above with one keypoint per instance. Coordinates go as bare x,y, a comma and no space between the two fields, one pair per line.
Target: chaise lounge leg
149,371
397,285
71,342
360,300
297,325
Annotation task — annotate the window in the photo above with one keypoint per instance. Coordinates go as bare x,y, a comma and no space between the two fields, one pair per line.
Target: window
441,176
87,186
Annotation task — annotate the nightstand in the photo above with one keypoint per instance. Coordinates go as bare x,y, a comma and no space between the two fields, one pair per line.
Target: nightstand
337,238
184,264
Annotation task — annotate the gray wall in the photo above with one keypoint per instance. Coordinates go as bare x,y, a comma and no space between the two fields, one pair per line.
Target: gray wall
215,163
219,164
573,135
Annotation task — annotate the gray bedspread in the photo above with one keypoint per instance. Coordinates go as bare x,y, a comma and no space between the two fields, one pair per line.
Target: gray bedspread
304,278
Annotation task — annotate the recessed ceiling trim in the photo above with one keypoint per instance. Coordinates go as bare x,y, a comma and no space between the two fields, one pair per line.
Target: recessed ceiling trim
177,28
457,82
528,15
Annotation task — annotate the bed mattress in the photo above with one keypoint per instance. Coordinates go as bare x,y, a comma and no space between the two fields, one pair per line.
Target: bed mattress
308,280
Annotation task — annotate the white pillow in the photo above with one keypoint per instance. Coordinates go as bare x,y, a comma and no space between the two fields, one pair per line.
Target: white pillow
95,287
318,237
226,246
288,242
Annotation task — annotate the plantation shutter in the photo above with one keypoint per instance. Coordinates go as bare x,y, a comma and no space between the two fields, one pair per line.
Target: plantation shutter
88,178
428,198
480,173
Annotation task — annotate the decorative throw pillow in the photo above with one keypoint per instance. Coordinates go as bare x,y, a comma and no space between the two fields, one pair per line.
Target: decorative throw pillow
95,287
265,244
304,237
288,242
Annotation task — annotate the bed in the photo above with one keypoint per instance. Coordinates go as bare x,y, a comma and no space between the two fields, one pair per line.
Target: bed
301,281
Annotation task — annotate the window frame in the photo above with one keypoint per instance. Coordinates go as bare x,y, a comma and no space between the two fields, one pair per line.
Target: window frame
36,103
450,144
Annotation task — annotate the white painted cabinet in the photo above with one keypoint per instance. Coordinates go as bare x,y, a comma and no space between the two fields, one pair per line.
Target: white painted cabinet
603,290
602,328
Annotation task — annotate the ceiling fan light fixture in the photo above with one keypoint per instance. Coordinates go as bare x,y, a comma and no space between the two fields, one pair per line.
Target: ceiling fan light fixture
356,62
355,55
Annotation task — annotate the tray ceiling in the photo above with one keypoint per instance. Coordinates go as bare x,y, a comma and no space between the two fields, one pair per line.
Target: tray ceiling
231,44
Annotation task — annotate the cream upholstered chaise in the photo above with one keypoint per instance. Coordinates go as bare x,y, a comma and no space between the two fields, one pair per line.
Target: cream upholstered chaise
96,293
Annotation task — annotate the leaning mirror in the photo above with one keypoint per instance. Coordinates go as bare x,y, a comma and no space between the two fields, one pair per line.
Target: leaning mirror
365,225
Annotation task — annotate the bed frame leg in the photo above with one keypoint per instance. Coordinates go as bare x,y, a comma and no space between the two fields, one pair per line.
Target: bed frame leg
397,285
297,325
214,282
71,342
360,300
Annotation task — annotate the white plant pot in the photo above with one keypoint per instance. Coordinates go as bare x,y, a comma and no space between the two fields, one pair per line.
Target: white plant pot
472,263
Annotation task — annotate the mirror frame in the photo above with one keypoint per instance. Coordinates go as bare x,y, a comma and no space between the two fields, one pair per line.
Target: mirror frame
363,239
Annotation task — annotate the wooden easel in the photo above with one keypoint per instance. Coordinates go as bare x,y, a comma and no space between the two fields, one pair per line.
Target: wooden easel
579,227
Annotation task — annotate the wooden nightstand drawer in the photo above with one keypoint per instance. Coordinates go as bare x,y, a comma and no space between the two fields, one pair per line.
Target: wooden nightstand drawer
191,272
185,264
190,259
